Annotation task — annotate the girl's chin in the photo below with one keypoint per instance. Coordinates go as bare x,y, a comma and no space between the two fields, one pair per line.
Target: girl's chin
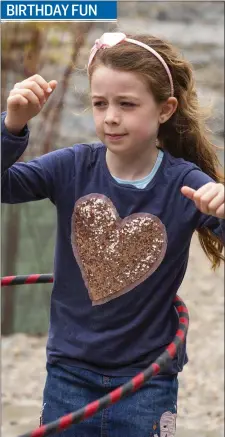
116,146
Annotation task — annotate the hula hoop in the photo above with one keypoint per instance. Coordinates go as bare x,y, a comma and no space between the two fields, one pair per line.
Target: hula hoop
26,279
119,393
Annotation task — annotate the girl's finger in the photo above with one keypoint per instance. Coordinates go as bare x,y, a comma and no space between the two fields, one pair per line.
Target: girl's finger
204,200
28,94
17,99
216,202
188,192
53,84
220,212
204,189
196,194
39,80
48,87
35,87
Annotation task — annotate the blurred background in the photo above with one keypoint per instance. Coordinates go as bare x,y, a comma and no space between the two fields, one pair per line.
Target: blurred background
60,51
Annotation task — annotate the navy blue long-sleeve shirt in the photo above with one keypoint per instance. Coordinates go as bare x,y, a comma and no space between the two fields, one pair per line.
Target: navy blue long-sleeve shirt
125,334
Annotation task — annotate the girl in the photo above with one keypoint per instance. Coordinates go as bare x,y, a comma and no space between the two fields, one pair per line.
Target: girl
112,310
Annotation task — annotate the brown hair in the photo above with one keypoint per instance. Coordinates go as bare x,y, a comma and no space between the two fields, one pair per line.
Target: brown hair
185,134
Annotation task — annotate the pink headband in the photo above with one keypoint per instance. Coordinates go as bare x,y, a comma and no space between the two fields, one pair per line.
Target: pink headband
111,39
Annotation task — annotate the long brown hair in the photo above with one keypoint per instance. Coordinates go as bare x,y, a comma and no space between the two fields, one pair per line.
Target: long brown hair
185,135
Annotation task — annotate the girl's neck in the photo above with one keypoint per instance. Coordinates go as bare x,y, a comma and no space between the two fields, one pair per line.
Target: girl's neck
132,167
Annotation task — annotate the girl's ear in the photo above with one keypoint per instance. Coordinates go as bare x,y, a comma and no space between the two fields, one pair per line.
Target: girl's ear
167,109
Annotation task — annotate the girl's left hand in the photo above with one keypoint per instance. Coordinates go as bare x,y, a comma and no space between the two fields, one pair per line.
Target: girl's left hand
209,199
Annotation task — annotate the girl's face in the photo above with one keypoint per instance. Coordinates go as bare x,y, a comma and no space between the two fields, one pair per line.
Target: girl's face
125,113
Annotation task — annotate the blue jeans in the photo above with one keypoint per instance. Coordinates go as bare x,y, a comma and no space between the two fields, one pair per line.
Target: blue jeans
149,412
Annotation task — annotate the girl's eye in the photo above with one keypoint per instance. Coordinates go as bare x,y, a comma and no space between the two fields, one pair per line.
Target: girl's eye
128,104
102,104
98,104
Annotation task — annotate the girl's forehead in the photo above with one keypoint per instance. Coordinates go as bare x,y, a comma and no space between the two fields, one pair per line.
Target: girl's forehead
105,78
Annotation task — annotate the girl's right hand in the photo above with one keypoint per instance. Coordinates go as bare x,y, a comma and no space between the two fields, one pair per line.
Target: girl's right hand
26,100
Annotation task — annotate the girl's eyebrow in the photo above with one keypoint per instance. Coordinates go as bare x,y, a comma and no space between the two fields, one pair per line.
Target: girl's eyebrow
120,96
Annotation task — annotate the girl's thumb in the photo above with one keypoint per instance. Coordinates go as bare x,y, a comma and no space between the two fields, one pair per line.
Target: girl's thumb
188,192
52,84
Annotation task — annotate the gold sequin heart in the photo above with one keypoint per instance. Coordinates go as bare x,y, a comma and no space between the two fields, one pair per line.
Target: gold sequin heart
114,254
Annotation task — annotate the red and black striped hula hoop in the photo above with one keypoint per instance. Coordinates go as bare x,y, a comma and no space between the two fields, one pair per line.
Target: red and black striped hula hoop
26,279
124,390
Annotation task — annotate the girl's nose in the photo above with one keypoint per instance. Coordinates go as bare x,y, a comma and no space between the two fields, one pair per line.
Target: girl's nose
112,116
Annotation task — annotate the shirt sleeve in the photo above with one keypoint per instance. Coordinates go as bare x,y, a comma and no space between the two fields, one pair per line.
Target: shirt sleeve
41,178
196,179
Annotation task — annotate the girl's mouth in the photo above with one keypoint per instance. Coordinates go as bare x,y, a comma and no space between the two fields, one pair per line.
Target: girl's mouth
115,137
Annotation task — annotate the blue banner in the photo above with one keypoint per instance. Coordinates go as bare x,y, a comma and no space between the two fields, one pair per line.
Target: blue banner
39,10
